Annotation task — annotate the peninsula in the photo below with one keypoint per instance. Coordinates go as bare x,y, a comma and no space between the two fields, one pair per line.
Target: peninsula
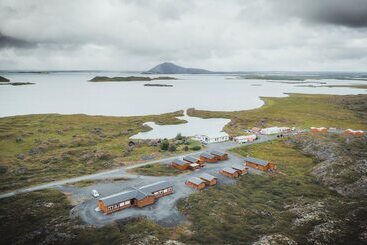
128,79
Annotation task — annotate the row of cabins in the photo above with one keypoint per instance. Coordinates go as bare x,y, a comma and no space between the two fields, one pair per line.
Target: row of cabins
202,181
272,130
333,130
135,197
193,163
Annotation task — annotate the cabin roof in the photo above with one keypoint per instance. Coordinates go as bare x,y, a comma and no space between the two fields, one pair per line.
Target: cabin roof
239,167
156,186
119,197
257,161
229,170
179,162
217,153
190,159
206,176
138,193
195,180
207,155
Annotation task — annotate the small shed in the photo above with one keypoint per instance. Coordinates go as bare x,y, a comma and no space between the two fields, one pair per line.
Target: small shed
196,183
319,130
229,172
241,169
354,132
220,156
208,179
180,164
207,157
194,166
259,164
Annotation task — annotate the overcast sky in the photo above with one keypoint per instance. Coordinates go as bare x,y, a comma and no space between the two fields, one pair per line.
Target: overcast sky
216,35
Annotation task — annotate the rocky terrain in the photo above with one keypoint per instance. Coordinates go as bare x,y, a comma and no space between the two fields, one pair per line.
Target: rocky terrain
342,162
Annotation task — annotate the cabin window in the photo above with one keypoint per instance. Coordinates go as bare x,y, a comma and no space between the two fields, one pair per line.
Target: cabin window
170,188
127,202
122,204
110,208
165,190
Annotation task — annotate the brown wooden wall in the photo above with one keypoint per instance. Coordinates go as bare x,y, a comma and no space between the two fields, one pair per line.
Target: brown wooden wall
204,159
234,175
149,200
199,187
180,167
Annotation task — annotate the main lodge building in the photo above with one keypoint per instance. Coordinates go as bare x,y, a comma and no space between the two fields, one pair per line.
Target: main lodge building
136,197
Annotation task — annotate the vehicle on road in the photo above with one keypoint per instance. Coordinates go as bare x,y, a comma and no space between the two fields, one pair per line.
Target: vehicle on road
95,193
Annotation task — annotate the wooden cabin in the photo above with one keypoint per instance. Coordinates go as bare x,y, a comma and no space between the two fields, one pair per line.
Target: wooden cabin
229,172
196,183
241,169
192,159
319,130
180,164
220,156
141,197
354,132
259,164
158,189
208,179
207,157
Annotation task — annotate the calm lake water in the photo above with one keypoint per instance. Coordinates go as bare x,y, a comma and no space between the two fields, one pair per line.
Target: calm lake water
70,93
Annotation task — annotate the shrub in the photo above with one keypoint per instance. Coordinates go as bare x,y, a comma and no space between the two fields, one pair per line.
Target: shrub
186,148
196,148
172,148
179,136
164,145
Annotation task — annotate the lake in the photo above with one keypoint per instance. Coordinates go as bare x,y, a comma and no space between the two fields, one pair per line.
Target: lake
70,93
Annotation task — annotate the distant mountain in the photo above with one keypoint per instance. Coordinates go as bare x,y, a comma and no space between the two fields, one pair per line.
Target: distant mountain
4,80
170,68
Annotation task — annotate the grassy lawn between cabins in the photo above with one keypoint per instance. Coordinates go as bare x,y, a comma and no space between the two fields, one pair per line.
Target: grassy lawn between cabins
291,205
298,110
36,149
157,169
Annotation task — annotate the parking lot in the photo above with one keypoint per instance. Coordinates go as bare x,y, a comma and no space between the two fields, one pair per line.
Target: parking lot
164,211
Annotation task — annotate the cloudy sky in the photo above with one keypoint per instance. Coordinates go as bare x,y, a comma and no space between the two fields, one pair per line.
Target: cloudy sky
217,35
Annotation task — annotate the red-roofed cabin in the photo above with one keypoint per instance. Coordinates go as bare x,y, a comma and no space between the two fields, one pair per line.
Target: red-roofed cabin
196,183
259,164
354,132
220,156
229,172
207,157
241,169
180,164
208,179
319,130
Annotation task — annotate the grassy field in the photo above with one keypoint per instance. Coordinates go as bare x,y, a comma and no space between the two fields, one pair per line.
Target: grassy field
298,110
157,169
291,204
41,148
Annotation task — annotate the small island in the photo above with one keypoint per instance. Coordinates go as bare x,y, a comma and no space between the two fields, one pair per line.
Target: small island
128,79
4,80
157,85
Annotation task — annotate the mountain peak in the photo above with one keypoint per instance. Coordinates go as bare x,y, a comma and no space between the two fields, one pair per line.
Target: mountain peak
171,68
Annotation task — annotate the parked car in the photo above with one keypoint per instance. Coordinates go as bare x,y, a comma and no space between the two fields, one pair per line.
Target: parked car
95,193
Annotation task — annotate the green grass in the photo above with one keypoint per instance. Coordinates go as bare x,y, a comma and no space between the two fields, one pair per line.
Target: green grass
157,169
257,205
298,110
71,145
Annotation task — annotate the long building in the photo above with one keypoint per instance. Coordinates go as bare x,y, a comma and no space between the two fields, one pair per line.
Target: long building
135,197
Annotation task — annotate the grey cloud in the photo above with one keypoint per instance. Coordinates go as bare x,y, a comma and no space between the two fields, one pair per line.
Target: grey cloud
11,42
349,13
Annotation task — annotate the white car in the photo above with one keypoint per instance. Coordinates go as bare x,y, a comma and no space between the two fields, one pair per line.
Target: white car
95,193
